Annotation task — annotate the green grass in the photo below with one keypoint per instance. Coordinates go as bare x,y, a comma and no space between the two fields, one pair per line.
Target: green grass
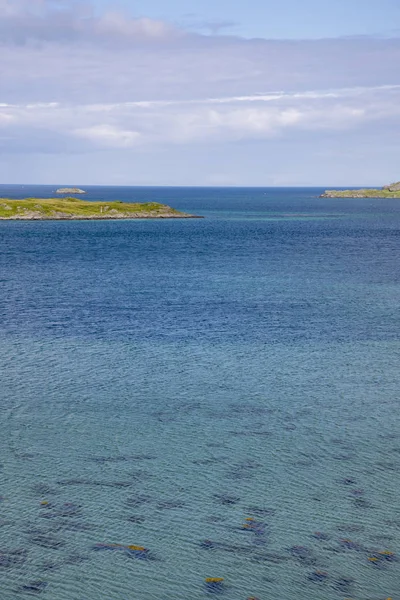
73,208
362,193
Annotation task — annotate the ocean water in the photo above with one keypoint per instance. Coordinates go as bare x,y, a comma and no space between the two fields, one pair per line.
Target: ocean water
164,381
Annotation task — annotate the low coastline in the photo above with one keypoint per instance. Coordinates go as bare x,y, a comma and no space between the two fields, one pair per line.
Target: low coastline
72,209
362,193
388,191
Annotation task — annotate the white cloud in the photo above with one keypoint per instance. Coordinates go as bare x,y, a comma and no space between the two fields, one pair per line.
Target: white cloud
76,80
267,116
65,50
115,23
22,21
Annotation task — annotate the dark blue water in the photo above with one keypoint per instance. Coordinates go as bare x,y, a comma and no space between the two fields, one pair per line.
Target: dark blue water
164,381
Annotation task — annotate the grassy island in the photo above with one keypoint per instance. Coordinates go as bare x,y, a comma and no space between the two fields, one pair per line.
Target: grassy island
388,191
74,209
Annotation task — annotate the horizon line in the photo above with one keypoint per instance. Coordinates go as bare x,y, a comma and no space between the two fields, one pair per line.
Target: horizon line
158,185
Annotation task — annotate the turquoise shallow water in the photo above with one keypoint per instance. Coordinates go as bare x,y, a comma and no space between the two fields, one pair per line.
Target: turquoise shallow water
162,382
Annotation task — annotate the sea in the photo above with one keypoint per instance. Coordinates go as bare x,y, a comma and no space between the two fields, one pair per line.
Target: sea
201,407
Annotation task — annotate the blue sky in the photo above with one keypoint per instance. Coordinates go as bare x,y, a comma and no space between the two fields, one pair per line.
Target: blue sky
269,18
155,93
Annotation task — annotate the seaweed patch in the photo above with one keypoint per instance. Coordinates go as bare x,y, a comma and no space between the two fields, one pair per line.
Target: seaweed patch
136,519
226,499
256,527
381,557
357,492
320,535
361,503
35,587
347,481
303,554
46,540
12,558
130,550
108,459
68,509
344,585
214,585
351,545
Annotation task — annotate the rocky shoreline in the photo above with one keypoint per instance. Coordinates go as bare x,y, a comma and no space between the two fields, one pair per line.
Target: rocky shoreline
121,217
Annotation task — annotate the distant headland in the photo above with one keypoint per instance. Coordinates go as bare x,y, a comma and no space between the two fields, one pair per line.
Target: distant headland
388,191
70,191
41,209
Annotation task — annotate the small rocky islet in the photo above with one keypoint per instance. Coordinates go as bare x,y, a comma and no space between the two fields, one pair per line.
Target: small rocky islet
71,208
387,191
70,190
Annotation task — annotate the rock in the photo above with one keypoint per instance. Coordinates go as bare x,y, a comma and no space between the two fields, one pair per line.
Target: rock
70,191
393,187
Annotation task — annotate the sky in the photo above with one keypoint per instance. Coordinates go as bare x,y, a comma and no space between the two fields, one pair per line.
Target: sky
216,93
310,19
